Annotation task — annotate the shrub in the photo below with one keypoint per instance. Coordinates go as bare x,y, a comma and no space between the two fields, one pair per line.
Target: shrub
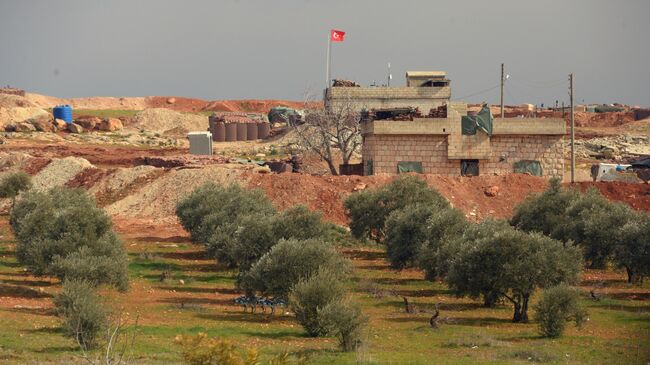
312,294
544,212
632,250
558,305
345,322
82,312
511,264
289,261
369,209
13,184
62,232
210,206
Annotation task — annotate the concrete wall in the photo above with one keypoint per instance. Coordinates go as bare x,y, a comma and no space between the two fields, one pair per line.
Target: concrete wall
423,98
385,151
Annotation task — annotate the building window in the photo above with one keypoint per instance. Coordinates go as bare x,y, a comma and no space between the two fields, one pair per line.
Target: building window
469,167
409,166
530,167
369,167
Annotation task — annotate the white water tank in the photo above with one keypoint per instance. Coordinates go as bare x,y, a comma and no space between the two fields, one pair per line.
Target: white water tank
200,143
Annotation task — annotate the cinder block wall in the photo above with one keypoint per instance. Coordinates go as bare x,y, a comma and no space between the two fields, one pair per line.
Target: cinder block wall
506,150
385,151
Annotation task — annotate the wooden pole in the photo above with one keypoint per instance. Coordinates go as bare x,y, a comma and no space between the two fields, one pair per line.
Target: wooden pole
502,81
573,151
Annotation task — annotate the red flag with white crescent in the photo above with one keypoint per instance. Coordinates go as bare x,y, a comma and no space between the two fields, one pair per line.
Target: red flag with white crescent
337,35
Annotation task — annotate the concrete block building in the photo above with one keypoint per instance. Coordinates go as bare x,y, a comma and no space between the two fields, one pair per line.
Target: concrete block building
438,146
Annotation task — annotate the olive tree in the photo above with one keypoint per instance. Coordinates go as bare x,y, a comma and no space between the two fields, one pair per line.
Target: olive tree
632,251
211,207
545,211
287,263
593,222
512,264
416,231
369,209
62,232
12,184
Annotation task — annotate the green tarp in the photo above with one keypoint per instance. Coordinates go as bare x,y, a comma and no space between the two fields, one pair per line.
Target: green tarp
482,120
409,166
528,167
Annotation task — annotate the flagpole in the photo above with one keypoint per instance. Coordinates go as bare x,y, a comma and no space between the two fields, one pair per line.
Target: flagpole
329,60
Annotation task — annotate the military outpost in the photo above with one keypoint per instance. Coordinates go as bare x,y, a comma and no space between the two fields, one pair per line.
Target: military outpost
447,140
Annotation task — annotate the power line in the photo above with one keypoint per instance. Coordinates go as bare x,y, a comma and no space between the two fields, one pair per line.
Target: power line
477,93
538,85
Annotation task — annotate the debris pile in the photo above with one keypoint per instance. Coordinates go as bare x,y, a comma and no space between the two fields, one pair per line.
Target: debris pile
344,83
169,122
616,148
59,172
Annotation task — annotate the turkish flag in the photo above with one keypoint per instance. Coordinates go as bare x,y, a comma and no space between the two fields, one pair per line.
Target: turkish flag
337,35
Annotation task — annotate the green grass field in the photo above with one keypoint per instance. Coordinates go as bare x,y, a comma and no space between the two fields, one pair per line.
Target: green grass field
618,330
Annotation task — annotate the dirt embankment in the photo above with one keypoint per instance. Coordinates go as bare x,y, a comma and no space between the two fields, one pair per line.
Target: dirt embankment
177,103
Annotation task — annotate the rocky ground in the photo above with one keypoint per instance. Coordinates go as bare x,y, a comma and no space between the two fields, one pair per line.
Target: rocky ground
137,165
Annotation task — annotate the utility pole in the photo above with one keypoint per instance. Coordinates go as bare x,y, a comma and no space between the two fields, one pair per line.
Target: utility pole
502,81
573,151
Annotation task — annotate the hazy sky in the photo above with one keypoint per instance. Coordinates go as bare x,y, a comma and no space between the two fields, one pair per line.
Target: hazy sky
276,49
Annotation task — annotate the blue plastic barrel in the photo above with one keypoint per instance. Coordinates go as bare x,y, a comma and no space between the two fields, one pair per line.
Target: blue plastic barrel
63,112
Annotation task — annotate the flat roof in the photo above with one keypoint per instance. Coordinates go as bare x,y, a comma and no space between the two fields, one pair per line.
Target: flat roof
426,74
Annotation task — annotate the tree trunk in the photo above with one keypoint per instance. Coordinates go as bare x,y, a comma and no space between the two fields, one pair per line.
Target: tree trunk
516,318
330,164
490,299
524,309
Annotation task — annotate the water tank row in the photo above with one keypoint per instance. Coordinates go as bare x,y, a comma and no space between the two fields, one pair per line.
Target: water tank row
228,132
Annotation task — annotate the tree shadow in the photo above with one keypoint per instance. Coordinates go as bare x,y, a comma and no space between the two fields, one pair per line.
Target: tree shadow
30,310
373,267
276,335
364,255
479,322
396,281
196,301
257,317
50,330
39,283
13,291
636,295
172,239
185,255
419,293
57,349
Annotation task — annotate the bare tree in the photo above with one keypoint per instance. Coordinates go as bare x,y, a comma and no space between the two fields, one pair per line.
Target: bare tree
329,129
118,343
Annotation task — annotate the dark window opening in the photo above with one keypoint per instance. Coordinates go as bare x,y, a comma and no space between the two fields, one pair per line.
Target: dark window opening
369,167
469,167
